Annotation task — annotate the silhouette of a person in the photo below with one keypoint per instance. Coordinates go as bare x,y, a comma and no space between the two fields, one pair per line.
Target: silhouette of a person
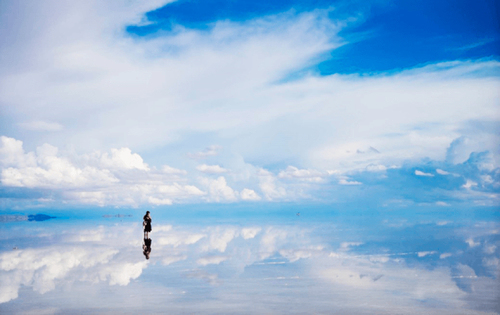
147,224
146,247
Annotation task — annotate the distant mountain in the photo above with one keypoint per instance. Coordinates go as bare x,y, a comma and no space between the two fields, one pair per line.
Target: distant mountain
39,217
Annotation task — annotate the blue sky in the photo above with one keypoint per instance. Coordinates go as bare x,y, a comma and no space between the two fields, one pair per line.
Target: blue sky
383,35
157,103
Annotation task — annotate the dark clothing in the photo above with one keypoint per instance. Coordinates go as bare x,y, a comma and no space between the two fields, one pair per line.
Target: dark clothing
147,224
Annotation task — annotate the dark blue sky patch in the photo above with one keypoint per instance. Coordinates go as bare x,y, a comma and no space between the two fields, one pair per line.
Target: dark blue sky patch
407,34
388,34
200,14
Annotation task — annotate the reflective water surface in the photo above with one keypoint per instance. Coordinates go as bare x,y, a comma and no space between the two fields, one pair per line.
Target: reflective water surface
288,264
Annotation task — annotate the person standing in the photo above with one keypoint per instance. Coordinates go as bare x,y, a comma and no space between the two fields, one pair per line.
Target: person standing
147,224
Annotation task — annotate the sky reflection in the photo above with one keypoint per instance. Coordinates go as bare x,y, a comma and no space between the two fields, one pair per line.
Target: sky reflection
322,266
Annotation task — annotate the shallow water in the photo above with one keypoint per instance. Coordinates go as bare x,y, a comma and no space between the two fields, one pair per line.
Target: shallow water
257,262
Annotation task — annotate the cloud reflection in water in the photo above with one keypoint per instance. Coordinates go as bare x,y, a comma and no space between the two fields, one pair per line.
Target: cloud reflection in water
421,268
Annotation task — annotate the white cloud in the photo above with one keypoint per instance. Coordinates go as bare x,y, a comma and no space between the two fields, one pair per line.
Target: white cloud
248,233
347,245
423,254
378,167
249,194
471,242
469,184
270,240
123,158
42,268
295,254
46,169
345,181
211,169
163,228
158,201
218,190
269,186
219,239
293,172
445,255
420,173
121,273
200,89
487,179
119,178
441,172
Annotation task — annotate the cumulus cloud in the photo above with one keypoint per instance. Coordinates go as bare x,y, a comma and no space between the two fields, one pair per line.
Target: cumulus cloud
117,178
293,172
46,168
269,186
123,159
249,194
248,233
218,190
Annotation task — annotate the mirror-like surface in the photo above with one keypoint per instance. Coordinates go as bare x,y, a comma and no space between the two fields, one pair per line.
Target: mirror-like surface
288,264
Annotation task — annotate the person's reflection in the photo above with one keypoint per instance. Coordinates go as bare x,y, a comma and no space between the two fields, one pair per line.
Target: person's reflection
146,247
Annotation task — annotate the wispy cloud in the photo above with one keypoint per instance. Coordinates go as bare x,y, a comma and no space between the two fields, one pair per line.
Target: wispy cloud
420,173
